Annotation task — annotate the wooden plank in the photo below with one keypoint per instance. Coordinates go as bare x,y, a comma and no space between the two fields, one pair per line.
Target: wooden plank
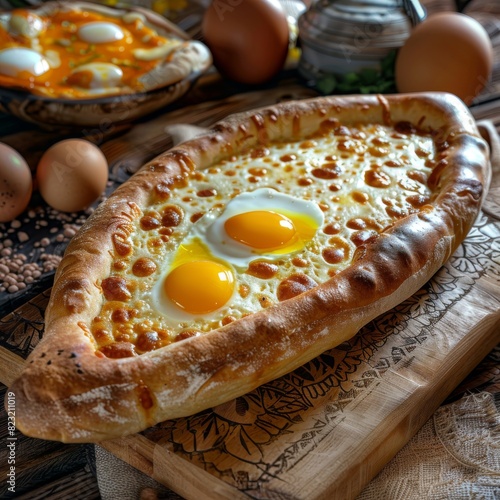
15,364
81,485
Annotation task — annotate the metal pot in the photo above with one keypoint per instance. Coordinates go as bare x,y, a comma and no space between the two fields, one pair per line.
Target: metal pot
345,36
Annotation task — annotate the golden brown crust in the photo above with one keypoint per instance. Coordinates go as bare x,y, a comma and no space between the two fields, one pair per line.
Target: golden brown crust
68,392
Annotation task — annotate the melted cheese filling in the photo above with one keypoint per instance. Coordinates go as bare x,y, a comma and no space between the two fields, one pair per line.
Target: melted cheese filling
361,179
78,54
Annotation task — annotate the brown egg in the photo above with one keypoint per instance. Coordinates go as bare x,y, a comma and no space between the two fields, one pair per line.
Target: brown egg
248,38
16,183
72,174
448,52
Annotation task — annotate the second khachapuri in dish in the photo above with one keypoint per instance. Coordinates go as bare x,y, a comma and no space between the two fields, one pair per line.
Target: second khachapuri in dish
79,50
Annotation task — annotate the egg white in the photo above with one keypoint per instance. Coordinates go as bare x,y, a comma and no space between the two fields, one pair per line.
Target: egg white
100,32
16,59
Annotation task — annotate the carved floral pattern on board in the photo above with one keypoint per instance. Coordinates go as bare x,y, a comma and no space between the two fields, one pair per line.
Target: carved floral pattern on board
20,335
232,441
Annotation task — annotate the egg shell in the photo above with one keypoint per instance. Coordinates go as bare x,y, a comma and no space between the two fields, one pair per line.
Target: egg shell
16,184
72,174
448,52
248,39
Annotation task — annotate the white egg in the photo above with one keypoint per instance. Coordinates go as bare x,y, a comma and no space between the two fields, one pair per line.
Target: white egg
18,59
263,223
98,75
100,32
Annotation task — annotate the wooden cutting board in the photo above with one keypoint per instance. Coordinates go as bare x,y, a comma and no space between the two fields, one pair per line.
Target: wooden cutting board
326,429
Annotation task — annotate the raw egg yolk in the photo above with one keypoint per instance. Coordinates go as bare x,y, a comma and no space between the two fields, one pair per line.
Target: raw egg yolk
199,287
267,231
260,229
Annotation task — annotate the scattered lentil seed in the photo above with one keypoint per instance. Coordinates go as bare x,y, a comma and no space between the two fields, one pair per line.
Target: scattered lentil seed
69,232
26,256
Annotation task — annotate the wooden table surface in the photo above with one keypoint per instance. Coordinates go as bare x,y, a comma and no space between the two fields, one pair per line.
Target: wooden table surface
53,470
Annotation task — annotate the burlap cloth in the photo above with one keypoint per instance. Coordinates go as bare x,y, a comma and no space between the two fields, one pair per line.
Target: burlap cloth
456,455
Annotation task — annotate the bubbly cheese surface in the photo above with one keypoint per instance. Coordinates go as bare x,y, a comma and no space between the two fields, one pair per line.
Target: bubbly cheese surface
79,54
257,229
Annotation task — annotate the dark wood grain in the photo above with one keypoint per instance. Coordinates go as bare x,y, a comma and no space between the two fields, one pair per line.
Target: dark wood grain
78,485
